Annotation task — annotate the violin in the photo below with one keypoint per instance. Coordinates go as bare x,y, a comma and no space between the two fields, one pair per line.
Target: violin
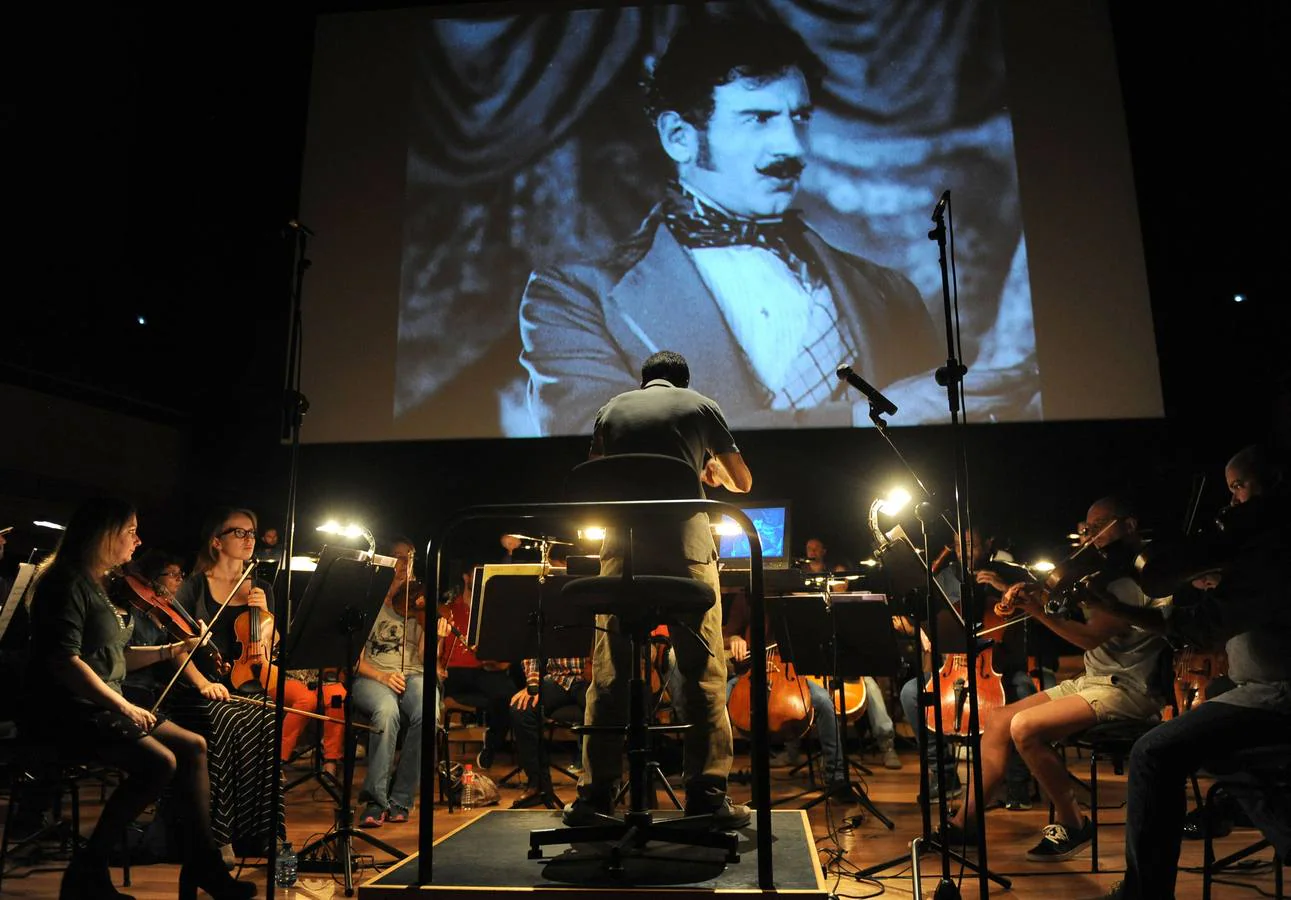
789,710
174,620
253,670
1061,589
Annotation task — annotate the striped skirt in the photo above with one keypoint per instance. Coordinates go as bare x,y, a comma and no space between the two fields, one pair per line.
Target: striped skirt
239,748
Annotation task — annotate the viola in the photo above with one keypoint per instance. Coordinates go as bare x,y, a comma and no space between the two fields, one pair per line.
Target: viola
253,670
174,620
789,709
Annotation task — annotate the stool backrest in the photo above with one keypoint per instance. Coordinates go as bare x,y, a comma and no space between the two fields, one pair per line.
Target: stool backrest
633,476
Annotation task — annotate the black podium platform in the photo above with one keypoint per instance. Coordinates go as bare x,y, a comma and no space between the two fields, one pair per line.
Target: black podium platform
490,854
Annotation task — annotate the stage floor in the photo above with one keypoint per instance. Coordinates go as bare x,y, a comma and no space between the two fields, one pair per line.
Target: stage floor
491,853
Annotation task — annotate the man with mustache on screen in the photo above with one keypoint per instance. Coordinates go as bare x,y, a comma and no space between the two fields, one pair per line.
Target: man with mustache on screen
722,270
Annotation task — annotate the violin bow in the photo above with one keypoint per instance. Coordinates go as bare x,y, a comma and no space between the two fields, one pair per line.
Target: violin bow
206,636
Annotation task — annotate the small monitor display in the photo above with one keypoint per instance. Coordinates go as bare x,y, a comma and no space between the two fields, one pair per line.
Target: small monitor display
772,523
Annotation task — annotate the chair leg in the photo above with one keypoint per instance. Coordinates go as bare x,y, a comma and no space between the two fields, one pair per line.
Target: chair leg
1093,811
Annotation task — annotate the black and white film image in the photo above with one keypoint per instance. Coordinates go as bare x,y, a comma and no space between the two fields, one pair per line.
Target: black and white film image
750,185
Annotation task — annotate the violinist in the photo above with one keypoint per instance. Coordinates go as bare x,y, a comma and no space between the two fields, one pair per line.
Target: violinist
1121,663
388,690
1249,613
241,735
472,678
80,654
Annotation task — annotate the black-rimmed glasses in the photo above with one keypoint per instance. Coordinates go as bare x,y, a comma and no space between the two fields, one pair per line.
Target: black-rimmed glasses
240,533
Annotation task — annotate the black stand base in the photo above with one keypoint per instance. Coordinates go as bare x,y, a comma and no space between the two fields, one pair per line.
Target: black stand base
339,841
849,792
932,845
546,797
653,774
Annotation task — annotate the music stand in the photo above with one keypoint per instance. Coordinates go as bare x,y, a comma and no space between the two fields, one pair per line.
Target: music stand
838,637
909,578
335,616
508,594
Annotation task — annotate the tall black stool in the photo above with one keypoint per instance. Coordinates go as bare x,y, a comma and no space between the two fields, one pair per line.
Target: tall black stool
640,602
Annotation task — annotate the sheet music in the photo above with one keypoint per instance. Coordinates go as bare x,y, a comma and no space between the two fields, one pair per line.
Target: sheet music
25,573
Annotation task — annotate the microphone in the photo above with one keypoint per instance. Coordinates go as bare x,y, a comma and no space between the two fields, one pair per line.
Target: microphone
882,405
941,206
297,225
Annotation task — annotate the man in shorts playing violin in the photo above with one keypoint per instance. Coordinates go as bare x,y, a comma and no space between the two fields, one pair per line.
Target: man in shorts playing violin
1121,662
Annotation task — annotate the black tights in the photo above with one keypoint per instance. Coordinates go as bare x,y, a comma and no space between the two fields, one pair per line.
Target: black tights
149,763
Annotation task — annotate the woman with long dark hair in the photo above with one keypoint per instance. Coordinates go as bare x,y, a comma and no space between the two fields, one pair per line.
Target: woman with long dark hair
79,657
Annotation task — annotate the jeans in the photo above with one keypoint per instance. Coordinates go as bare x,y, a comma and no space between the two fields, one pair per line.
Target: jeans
1156,802
876,713
388,712
527,726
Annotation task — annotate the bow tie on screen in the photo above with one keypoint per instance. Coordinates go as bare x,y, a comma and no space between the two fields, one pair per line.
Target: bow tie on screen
697,225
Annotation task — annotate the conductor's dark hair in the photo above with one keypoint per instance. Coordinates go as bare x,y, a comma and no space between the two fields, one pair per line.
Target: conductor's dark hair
706,53
669,366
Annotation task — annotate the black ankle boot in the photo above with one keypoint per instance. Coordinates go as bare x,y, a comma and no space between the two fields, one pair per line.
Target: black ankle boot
208,872
89,879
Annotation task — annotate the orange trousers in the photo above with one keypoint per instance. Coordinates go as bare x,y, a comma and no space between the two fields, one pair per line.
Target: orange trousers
298,695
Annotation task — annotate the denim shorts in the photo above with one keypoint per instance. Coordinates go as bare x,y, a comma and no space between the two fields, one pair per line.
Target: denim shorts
1108,698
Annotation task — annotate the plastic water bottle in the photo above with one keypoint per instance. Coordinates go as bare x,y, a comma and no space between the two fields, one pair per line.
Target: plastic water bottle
468,787
285,872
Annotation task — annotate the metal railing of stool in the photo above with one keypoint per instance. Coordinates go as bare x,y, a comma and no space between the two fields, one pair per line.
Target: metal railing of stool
640,603
1256,770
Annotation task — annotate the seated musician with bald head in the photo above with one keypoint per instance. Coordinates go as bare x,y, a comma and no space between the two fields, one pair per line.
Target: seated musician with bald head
1245,609
1121,665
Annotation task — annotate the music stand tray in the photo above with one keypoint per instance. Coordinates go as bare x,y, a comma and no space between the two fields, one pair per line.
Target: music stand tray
331,623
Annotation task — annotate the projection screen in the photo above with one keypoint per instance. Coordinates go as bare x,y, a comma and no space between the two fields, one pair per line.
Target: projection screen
498,245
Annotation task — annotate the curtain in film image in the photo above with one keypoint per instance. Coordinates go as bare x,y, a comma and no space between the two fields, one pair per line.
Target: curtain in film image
748,184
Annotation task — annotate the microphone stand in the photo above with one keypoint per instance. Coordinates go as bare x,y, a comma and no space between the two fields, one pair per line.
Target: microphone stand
294,407
950,376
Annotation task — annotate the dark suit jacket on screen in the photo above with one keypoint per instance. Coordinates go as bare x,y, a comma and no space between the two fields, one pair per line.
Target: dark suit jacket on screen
586,328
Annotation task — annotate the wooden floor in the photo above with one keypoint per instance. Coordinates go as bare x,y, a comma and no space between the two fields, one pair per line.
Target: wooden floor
843,847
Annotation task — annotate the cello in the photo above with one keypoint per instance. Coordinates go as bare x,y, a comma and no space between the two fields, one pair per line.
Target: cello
953,677
789,710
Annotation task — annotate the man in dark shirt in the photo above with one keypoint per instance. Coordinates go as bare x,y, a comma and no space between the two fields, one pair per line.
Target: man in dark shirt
665,417
1248,611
